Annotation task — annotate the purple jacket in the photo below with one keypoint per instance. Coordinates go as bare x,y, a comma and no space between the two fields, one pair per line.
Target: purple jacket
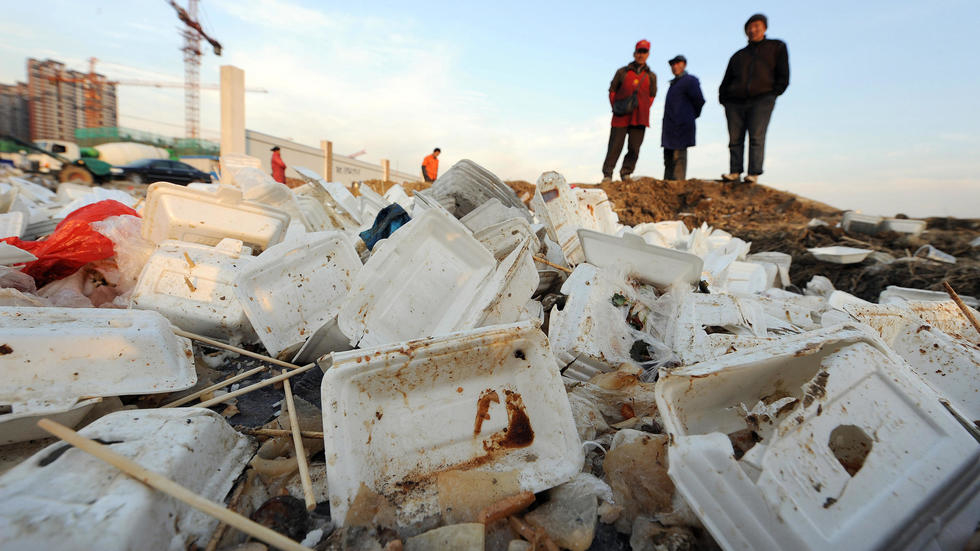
683,105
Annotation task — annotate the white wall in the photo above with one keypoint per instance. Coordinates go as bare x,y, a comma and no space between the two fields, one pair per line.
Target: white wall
345,170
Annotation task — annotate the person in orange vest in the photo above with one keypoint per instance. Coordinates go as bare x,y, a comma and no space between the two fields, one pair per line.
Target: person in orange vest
278,166
430,166
631,94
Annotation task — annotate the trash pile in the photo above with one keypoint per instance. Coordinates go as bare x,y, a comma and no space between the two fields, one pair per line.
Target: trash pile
254,366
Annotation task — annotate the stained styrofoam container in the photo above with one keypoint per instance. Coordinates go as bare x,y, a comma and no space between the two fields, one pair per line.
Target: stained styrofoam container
855,222
291,290
503,237
859,453
23,427
63,498
589,335
556,206
324,340
57,356
894,294
397,416
946,363
194,287
904,225
840,255
175,212
417,283
502,296
490,213
596,210
657,265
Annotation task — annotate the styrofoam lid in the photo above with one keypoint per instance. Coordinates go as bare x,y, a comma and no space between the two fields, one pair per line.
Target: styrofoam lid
58,354
657,265
14,255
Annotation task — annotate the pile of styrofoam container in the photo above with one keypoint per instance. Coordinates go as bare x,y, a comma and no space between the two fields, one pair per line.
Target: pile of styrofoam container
861,417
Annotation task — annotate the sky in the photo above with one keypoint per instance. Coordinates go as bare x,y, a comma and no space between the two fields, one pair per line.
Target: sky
882,113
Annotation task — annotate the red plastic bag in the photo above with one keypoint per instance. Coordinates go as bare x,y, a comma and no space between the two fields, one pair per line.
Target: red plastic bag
72,245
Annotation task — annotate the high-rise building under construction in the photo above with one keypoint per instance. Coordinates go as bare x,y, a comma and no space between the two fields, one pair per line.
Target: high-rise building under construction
61,100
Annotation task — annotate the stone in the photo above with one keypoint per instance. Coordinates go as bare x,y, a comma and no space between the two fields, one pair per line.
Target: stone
519,545
651,536
455,537
569,516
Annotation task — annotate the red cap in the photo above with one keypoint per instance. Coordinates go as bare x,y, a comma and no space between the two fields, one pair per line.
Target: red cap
645,44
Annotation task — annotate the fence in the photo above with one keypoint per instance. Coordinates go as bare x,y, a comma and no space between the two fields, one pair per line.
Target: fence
320,160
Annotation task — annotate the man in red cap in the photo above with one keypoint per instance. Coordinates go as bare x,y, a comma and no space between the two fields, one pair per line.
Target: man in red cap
631,94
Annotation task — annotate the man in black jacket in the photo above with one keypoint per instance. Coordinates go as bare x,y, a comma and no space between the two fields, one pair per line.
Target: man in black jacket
756,75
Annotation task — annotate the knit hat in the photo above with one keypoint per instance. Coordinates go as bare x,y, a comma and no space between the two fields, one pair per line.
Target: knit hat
757,17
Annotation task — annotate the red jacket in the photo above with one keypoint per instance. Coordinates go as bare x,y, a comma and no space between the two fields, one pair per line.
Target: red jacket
629,78
278,168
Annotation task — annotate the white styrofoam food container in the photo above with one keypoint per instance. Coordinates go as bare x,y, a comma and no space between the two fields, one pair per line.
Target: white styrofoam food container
63,498
861,223
948,364
417,283
397,416
175,212
589,336
894,294
904,225
55,357
840,255
503,237
291,290
194,287
12,224
851,450
657,265
596,210
556,206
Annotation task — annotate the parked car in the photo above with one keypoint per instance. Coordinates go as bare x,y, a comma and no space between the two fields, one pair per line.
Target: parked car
159,170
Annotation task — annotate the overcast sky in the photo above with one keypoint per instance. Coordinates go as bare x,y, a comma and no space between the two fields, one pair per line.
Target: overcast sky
881,114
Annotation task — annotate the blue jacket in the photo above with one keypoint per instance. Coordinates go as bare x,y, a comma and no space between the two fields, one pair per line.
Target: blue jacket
683,105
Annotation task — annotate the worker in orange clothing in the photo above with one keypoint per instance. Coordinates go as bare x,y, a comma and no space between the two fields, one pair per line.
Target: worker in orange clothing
278,166
430,166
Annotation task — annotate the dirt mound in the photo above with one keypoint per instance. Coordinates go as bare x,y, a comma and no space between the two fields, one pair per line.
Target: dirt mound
776,220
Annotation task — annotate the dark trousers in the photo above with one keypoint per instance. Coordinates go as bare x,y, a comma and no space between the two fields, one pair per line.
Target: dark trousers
750,116
617,136
675,164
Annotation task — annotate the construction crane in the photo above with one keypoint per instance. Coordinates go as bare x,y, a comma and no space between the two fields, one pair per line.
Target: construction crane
193,34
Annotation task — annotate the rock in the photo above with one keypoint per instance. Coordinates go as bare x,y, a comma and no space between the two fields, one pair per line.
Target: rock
608,538
636,469
456,537
569,517
651,536
284,514
519,545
